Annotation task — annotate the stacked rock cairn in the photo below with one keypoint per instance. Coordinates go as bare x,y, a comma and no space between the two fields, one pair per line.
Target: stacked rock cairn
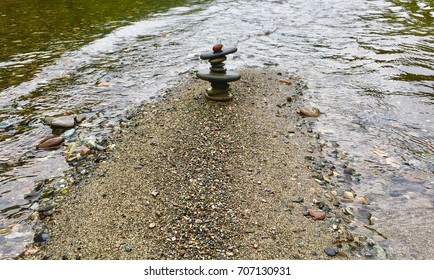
217,74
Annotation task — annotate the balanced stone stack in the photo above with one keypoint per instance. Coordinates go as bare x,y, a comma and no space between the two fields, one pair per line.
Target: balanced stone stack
217,74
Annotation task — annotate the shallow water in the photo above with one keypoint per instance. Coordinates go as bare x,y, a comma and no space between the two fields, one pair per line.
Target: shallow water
368,65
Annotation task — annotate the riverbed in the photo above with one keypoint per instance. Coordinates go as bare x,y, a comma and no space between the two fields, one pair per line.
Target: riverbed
367,65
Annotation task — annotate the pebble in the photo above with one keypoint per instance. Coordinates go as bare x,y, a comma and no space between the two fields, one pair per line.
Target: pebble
348,195
349,170
154,193
310,112
152,225
317,214
217,47
50,142
297,200
330,251
381,254
363,200
80,118
41,237
84,152
127,248
62,122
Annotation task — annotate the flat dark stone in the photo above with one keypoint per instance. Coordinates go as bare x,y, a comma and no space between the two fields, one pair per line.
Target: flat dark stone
223,52
213,77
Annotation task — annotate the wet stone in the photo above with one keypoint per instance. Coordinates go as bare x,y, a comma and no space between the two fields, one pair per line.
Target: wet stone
62,122
50,142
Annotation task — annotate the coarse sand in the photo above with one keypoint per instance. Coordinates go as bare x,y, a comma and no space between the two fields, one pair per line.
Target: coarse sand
196,179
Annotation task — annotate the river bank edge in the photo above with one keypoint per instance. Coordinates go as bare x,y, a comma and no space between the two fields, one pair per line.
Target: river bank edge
275,98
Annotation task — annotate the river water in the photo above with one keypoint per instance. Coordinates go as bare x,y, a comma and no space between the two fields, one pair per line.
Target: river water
368,65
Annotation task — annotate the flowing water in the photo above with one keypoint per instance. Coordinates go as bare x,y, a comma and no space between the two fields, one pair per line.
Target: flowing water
368,65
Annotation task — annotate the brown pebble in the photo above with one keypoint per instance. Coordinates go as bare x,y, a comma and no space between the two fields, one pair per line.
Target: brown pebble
217,47
348,195
309,112
50,142
317,214
363,200
181,253
85,152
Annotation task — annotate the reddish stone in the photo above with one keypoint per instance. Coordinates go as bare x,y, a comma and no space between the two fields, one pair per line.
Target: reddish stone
317,214
217,47
50,142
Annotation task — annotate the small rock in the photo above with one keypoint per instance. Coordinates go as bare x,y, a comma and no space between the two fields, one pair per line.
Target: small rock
381,254
297,200
363,200
154,193
217,47
317,214
152,225
181,253
45,208
127,248
50,142
349,170
62,122
31,251
41,237
80,118
330,251
305,211
85,152
309,112
348,195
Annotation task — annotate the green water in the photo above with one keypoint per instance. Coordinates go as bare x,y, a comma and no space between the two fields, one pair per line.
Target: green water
35,32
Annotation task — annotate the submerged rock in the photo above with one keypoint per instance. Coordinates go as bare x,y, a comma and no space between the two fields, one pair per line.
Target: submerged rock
310,112
50,142
62,122
348,195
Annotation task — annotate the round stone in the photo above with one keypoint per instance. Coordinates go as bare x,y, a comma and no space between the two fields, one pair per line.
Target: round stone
217,47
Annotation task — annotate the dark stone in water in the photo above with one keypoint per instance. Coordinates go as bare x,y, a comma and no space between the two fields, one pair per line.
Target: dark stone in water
395,193
41,237
330,251
50,142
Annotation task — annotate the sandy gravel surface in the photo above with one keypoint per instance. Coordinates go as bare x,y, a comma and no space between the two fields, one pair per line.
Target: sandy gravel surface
196,179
